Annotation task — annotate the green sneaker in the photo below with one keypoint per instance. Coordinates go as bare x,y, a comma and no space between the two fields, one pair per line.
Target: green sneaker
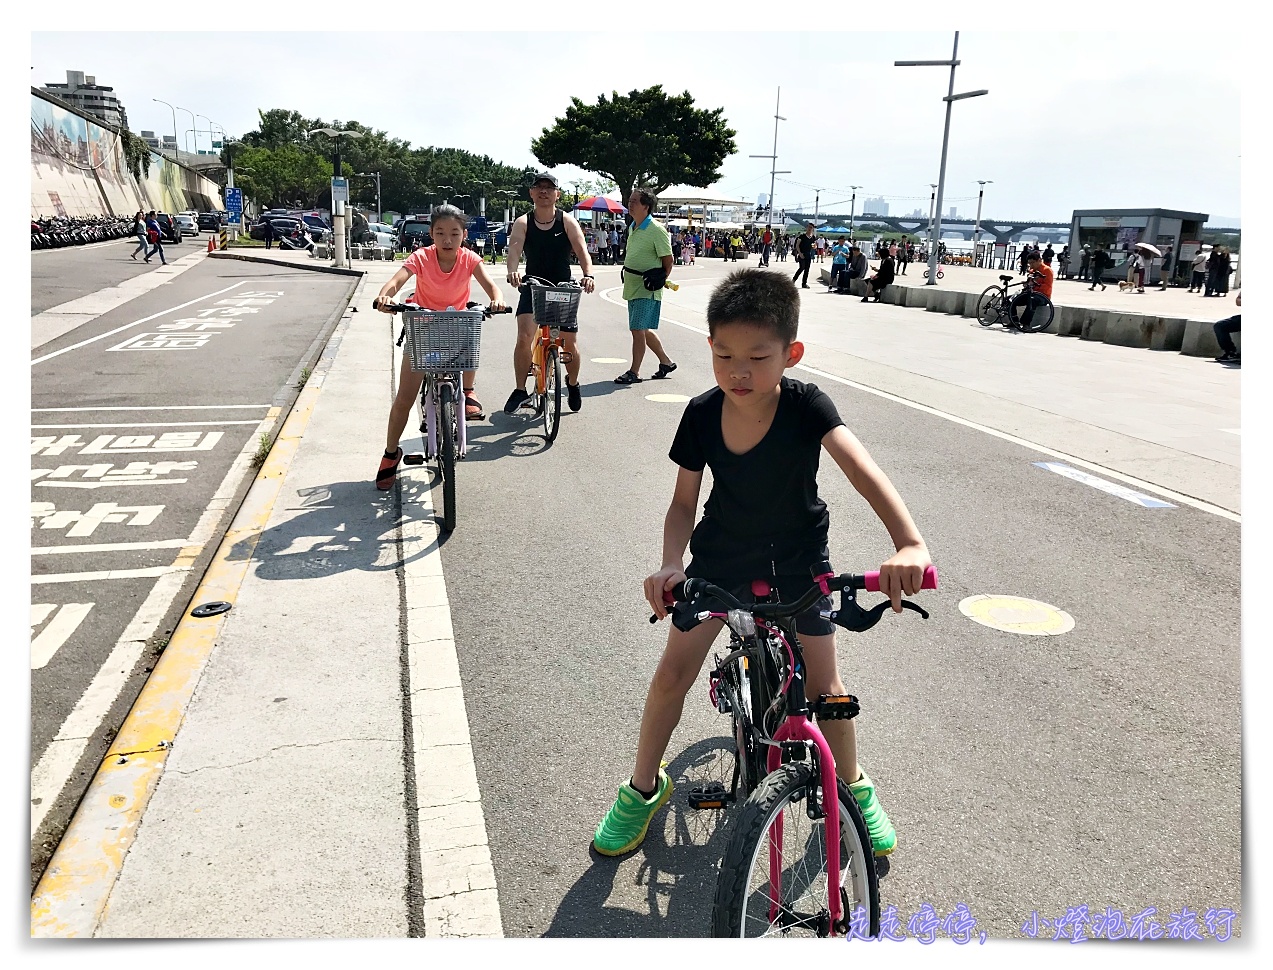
883,835
623,828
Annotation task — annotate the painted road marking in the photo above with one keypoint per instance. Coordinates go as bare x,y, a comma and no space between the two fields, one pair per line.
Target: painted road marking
110,547
1015,614
58,762
667,398
1237,431
993,432
68,617
148,424
146,573
1122,491
135,323
457,874
609,360
170,407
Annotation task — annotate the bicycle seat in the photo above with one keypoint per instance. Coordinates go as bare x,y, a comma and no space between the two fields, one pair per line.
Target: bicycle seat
760,588
1005,279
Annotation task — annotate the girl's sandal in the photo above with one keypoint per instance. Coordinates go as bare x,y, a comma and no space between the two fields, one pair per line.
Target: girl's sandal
472,407
663,371
628,377
388,471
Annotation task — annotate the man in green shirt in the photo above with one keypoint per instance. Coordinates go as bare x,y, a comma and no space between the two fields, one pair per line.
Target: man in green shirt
646,265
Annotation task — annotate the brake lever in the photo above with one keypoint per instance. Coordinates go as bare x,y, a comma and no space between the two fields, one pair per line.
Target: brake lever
852,617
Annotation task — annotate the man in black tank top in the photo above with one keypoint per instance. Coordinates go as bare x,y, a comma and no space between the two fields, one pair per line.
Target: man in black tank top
547,235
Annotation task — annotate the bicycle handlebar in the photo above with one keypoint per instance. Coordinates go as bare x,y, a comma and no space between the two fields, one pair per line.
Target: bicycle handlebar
377,304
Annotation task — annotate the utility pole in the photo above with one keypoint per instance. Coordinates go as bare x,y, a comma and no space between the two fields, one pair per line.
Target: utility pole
773,161
852,208
976,232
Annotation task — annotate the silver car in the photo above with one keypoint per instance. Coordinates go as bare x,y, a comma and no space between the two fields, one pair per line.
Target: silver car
187,223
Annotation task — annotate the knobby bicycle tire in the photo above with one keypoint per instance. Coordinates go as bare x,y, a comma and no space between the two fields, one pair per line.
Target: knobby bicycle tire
740,911
447,431
552,394
989,306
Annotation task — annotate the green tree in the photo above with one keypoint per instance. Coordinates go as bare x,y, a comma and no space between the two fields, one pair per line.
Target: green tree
646,138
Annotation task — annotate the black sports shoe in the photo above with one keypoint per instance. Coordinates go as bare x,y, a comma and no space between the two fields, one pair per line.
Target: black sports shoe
516,400
573,397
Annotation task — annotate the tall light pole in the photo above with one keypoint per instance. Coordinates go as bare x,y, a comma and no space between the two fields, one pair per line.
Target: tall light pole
508,198
463,195
852,208
193,124
951,98
174,121
484,186
376,176
338,205
443,191
817,198
196,134
932,205
976,232
773,161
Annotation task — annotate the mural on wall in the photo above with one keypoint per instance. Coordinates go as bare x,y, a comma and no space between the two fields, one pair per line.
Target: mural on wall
78,169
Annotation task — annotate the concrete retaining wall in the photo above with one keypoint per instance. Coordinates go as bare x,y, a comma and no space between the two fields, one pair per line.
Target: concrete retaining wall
1199,339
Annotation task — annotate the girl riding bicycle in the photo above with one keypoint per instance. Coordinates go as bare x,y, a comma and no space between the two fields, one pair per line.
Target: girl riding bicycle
761,434
443,273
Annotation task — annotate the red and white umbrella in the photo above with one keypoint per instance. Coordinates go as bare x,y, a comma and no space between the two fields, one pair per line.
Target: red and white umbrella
599,203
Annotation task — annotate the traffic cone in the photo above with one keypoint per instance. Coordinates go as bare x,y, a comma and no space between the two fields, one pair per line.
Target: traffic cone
211,245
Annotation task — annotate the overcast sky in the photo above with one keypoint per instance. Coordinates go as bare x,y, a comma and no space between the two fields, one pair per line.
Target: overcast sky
1090,120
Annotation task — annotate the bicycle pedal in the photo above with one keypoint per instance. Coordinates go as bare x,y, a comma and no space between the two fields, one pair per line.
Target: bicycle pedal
836,707
712,796
413,459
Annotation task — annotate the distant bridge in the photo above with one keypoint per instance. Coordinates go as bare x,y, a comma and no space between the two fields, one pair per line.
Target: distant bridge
1003,231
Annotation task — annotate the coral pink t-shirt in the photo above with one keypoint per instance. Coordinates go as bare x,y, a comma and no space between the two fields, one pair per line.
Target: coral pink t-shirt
436,290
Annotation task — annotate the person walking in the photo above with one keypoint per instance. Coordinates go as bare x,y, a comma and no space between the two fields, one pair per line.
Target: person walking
804,246
766,245
822,248
1166,271
1100,260
1085,263
614,245
267,232
1218,269
155,236
1198,268
903,255
735,245
1049,254
139,230
645,269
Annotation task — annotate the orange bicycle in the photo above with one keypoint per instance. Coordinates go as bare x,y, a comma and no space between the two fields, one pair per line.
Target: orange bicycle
554,305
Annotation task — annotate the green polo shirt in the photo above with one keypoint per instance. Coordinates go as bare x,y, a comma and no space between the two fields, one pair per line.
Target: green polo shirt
648,243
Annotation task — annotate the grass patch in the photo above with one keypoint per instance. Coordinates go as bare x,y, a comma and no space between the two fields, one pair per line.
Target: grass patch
305,372
263,446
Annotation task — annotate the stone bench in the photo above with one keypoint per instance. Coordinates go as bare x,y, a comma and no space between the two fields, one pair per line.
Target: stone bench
1199,339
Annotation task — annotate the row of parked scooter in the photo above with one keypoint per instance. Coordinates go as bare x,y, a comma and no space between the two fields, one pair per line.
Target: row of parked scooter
57,231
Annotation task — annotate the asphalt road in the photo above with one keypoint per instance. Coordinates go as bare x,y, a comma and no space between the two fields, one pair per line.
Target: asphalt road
1100,767
143,425
61,275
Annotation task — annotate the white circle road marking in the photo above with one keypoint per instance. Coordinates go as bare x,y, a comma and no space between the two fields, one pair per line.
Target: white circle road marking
1015,614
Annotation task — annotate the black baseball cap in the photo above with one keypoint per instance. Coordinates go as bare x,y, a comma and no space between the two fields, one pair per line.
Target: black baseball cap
547,176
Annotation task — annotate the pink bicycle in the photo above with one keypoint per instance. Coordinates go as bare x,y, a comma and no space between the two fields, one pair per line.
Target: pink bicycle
781,874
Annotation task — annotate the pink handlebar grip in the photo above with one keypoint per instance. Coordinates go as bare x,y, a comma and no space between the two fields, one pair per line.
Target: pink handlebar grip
873,579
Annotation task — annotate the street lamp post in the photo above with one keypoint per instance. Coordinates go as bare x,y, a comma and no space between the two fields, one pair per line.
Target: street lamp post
932,205
976,232
443,191
376,176
462,195
508,198
193,124
174,121
950,99
196,134
852,208
817,198
338,205
773,160
486,184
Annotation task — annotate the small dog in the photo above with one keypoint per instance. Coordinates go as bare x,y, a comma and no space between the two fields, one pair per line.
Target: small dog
1124,287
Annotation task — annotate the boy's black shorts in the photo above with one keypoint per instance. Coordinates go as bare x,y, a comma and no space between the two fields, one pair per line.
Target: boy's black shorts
790,588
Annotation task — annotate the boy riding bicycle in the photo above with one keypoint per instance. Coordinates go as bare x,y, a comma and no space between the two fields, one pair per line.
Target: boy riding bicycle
761,434
443,272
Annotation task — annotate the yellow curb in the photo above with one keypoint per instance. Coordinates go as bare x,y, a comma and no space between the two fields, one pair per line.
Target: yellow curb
71,897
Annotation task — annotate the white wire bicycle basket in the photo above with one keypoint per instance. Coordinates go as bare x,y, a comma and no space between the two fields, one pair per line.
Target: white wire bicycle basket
444,342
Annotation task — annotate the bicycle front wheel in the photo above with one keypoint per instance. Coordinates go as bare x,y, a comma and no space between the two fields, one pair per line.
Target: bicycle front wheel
773,878
1042,315
552,394
447,431
989,306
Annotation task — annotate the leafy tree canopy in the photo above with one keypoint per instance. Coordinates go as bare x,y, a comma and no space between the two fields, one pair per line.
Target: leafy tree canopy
646,138
278,164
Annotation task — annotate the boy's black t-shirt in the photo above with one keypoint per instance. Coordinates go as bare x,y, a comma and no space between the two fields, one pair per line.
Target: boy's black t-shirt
763,516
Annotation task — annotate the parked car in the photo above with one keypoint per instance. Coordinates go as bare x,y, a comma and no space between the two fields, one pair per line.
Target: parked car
188,224
210,220
414,230
283,225
318,229
385,236
168,227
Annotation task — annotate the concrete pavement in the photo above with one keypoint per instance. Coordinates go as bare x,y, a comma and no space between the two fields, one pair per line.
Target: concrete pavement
320,778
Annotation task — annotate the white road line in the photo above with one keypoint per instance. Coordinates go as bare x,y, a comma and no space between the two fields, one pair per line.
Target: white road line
458,877
89,577
149,424
110,547
170,407
1002,435
1237,431
59,759
1122,491
135,323
68,618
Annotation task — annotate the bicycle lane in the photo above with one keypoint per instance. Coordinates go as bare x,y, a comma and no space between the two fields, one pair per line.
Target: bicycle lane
987,745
